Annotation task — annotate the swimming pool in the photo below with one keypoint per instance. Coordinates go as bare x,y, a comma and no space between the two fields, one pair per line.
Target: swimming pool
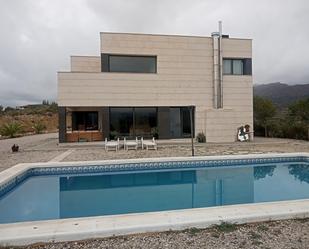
124,187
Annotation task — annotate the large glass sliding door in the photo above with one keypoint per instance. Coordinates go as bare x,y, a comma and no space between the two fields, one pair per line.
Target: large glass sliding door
133,121
175,122
145,121
121,122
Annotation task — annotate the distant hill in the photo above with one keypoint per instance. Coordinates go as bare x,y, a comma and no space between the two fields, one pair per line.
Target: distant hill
282,94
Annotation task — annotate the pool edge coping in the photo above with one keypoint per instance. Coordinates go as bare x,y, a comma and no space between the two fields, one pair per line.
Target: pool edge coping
72,229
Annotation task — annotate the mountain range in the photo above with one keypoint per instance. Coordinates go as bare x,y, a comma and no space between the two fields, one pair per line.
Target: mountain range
282,95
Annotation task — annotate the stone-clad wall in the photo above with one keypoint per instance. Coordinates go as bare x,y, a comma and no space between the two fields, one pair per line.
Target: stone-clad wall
85,64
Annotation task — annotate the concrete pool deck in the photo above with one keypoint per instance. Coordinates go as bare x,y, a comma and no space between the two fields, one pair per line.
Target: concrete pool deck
102,226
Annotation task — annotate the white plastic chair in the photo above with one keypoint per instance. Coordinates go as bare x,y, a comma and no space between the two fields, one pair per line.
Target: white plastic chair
130,144
149,144
112,144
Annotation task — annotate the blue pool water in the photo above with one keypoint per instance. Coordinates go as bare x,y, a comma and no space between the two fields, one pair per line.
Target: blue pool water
55,196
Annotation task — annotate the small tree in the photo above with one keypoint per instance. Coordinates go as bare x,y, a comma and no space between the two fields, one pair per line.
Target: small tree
39,127
298,113
10,129
300,110
263,111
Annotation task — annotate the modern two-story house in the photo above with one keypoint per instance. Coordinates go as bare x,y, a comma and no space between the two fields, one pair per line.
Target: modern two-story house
144,85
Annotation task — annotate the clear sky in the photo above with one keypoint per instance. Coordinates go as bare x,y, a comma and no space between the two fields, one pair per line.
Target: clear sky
38,36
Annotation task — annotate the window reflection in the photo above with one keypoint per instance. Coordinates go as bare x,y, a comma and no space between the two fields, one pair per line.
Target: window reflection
145,121
238,67
227,66
134,64
121,121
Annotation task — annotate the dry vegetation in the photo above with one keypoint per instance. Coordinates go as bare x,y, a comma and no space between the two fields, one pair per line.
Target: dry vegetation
31,119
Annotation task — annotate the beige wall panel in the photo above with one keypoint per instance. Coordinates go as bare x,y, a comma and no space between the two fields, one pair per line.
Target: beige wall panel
85,63
221,125
238,48
131,85
106,36
132,77
198,92
185,58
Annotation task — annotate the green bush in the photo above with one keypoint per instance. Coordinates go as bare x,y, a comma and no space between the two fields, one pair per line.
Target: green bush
201,138
292,122
155,132
39,127
113,135
297,131
11,129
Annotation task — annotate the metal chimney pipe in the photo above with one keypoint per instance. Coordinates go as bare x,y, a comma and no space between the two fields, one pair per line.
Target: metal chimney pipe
220,85
217,67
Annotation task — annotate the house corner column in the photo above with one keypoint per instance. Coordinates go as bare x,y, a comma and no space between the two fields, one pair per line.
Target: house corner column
62,124
105,121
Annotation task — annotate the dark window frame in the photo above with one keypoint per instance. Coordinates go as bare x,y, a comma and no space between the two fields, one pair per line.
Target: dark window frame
246,66
105,62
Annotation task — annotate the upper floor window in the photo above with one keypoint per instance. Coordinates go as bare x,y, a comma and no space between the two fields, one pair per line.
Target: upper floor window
129,63
237,66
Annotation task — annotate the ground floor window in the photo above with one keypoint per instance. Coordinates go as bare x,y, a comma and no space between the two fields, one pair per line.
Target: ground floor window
180,123
84,121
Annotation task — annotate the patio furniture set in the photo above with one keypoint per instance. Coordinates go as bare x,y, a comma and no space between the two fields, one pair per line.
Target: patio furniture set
131,144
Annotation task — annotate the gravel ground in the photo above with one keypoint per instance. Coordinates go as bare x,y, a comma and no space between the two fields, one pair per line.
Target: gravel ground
273,235
44,147
8,159
98,153
35,148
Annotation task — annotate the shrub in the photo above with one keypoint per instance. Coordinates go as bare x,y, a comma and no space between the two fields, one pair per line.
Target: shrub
11,129
155,132
39,127
113,135
201,138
